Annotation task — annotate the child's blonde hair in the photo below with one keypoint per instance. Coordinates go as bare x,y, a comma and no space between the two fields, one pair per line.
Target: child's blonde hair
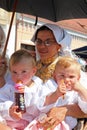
65,62
18,55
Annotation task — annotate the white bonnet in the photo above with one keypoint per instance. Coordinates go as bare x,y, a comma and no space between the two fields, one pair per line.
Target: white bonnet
61,36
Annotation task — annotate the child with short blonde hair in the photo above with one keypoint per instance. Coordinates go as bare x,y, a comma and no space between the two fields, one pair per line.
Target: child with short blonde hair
69,91
22,67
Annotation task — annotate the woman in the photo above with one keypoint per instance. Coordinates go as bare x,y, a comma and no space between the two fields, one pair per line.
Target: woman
2,61
51,42
49,46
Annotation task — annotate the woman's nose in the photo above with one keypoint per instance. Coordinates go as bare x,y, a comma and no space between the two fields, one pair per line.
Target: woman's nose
42,45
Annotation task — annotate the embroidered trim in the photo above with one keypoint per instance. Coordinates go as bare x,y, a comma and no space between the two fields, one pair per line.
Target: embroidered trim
46,71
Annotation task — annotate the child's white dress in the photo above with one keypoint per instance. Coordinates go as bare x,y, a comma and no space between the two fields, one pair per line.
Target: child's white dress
70,97
31,95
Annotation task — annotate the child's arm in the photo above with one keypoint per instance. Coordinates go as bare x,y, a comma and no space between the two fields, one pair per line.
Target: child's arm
60,91
4,109
82,98
82,91
51,98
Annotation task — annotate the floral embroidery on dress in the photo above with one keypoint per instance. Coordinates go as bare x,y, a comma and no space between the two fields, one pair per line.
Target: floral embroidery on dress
45,71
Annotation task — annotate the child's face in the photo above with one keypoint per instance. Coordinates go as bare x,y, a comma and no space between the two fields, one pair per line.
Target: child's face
69,75
22,71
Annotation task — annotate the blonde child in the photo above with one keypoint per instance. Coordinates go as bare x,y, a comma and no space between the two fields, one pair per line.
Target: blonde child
23,68
69,91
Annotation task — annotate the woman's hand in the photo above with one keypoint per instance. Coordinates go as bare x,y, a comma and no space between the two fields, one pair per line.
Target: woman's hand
58,114
55,116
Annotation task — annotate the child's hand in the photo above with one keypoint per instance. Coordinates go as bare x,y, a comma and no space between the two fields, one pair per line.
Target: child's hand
61,87
76,86
13,112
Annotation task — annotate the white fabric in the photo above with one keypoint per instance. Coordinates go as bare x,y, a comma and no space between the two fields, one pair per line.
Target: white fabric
4,110
49,88
70,97
83,79
32,95
33,126
61,36
7,92
6,100
31,98
8,78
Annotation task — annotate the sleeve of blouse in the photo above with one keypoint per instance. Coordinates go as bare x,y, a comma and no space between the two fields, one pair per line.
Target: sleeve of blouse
4,109
82,104
83,79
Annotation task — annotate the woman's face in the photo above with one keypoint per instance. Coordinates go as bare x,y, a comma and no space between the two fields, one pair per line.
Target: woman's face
46,44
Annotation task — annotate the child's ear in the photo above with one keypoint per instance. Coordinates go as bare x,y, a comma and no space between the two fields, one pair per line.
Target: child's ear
34,70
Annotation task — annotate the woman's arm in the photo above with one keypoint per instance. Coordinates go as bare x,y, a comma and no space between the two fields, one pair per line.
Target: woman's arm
58,114
74,111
